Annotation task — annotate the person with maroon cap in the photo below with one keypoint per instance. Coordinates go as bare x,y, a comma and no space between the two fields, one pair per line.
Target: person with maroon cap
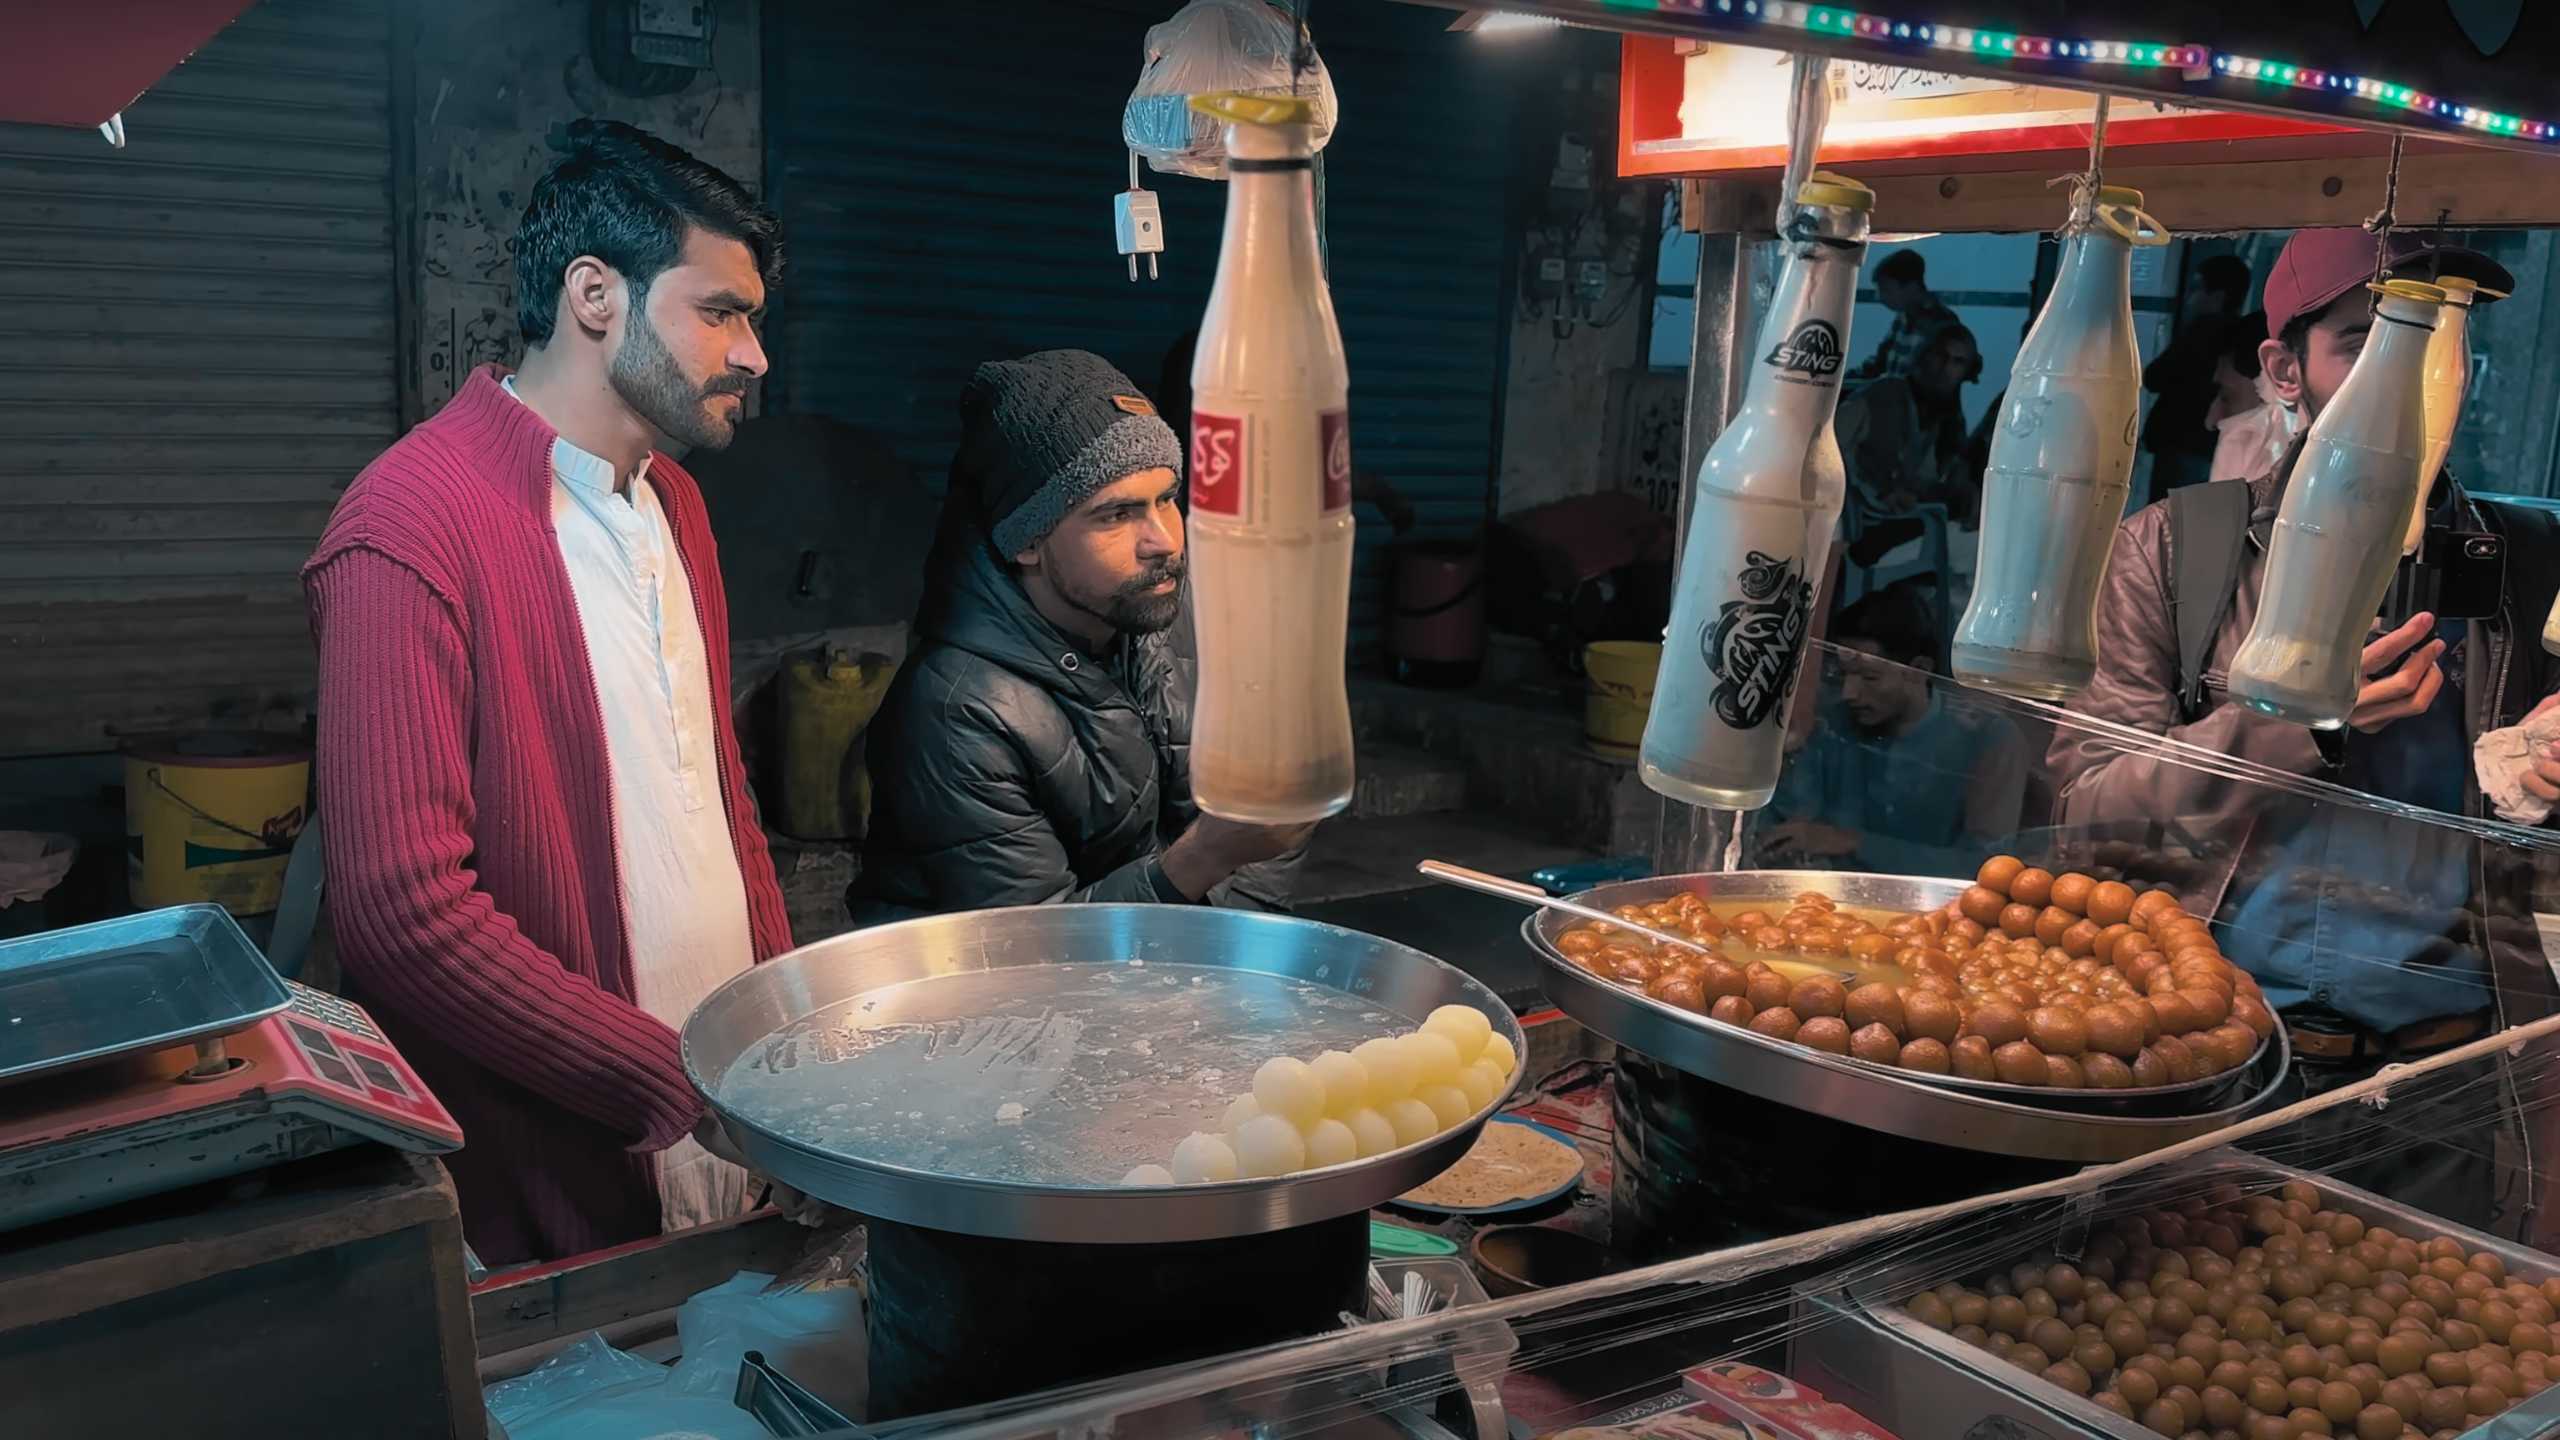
2359,983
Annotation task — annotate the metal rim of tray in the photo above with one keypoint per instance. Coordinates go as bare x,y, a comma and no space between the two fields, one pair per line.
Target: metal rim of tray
1871,1096
219,956
1397,978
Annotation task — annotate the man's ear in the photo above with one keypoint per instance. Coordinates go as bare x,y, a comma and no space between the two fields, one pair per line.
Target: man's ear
1028,559
2283,371
590,293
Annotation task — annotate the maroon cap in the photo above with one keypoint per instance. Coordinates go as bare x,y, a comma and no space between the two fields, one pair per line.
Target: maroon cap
2318,266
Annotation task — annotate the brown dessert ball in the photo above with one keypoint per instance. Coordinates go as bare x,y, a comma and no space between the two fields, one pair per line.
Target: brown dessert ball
2052,923
2032,887
1982,905
1929,1057
2020,1063
1777,1022
2018,920
1930,1016
2057,1031
1970,1058
1731,1009
1876,1003
1765,988
2114,1029
1821,995
2111,902
2071,891
1679,988
1998,871
2081,939
1875,1045
1997,1021
2106,1072
1827,1033
1719,977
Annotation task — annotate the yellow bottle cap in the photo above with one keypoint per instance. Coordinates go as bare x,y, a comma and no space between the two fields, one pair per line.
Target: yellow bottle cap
1248,109
2120,195
2418,290
1826,188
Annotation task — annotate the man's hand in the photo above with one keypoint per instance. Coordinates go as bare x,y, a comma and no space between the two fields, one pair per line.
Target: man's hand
2544,778
2409,689
1810,838
1213,849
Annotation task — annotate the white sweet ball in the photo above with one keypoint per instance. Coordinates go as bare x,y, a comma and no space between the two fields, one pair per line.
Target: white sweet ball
1481,1085
1464,1026
1286,1089
1269,1145
1498,1052
1345,1082
1330,1142
1390,1070
1148,1175
1239,1110
1371,1129
1413,1121
1435,1059
1448,1103
1203,1158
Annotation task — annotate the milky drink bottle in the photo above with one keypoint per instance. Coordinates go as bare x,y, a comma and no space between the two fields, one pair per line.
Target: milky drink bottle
2448,381
1768,496
2061,463
1270,524
2338,532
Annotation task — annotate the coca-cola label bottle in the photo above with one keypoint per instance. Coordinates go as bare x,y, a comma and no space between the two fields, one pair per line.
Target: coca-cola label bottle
1217,464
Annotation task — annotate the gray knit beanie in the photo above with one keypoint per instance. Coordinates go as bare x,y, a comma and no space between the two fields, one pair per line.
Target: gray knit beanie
1040,435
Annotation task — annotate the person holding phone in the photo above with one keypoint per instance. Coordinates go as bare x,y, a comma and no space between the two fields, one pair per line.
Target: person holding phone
2378,937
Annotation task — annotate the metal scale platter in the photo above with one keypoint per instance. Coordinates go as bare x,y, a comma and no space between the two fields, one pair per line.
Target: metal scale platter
160,1050
2058,1125
997,1072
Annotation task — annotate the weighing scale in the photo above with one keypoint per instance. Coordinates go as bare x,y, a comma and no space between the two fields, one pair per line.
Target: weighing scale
156,1051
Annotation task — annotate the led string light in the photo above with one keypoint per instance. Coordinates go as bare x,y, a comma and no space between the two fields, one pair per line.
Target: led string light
2195,60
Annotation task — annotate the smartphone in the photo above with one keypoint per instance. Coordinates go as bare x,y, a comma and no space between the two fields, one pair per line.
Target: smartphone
2456,575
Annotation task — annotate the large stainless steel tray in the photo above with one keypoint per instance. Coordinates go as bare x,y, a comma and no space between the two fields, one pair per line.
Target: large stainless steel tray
1905,1374
1870,1095
138,982
997,1072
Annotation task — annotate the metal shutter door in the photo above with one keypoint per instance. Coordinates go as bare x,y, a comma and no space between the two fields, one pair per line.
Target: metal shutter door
196,355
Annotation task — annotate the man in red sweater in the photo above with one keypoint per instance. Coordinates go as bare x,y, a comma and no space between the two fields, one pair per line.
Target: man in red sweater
541,849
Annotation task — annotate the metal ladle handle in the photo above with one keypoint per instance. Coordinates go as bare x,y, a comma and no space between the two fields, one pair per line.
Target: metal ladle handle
1477,880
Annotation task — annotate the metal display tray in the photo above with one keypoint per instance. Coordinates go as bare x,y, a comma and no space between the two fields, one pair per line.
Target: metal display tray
1859,1347
135,983
1874,1096
1019,1061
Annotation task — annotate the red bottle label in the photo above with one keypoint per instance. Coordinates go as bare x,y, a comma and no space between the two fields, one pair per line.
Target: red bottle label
1217,464
1335,428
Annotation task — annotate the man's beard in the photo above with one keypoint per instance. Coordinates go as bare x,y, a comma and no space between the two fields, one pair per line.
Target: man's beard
648,379
1134,608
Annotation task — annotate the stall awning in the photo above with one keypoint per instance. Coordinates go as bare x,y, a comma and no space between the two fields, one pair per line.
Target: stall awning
68,64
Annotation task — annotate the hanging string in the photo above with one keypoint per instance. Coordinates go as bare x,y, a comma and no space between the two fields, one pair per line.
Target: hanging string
2381,221
2084,206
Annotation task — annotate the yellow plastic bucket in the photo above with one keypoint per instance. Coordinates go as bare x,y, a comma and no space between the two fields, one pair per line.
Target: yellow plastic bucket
213,817
828,699
1621,674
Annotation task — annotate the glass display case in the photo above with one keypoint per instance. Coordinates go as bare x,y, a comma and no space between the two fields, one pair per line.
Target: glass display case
2389,932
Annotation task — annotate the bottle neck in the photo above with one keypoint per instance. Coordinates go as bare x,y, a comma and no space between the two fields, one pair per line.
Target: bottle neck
1803,346
2096,269
1271,214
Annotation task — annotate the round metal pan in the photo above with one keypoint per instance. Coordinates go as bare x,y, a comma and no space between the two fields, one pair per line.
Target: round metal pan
928,1022
1973,1116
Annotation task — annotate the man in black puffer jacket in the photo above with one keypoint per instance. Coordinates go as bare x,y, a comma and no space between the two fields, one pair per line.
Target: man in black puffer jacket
1036,746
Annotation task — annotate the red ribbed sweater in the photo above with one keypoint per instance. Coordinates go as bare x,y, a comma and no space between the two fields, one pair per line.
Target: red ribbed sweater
472,877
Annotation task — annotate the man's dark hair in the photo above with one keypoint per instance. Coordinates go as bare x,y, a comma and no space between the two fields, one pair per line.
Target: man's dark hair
2227,276
1903,267
627,197
1895,622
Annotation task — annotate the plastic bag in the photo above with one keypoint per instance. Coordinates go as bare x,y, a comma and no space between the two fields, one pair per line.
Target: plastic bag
1210,46
32,862
816,1336
591,1391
